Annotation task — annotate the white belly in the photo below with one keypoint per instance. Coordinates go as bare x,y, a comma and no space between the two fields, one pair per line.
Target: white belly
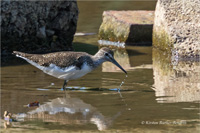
68,73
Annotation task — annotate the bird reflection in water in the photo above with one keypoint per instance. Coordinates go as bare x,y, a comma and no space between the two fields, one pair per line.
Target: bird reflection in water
70,110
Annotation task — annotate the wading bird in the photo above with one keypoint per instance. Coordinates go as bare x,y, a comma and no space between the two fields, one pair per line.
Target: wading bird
69,65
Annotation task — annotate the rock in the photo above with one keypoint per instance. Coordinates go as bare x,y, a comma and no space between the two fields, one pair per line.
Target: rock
131,27
177,27
50,32
41,33
30,25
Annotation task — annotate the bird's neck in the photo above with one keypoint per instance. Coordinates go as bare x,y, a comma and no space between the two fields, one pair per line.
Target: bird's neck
97,60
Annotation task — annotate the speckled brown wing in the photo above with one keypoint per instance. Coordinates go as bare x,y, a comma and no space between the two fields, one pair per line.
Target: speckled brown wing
60,59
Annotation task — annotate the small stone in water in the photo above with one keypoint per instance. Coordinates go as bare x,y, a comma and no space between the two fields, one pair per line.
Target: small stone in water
33,104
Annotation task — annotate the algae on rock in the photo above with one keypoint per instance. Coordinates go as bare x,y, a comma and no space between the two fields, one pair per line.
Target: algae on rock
177,27
129,27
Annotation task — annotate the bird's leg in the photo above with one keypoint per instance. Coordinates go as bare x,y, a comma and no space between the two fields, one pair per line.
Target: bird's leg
65,84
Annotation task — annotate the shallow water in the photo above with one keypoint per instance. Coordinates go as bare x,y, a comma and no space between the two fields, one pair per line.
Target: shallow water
146,100
157,96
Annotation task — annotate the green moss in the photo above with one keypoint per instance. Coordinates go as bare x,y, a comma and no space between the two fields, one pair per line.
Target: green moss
162,40
113,30
162,60
108,31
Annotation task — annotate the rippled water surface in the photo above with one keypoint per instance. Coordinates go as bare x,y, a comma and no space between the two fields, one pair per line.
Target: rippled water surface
158,95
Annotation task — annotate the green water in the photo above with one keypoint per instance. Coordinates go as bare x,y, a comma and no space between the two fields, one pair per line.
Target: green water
157,96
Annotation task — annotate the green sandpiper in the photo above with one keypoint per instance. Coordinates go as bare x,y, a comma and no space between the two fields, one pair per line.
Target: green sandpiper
69,65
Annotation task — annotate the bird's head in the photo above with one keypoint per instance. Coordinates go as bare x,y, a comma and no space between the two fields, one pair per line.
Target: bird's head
107,54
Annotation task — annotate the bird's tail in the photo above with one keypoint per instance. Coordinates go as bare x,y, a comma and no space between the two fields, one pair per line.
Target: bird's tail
19,54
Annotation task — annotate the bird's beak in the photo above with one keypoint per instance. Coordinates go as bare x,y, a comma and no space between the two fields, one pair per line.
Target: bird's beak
117,64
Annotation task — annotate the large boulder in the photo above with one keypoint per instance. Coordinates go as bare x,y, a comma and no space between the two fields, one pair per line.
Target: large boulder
130,27
39,26
177,27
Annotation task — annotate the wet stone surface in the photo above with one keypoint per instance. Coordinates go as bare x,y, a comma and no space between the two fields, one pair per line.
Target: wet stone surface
130,27
34,26
177,27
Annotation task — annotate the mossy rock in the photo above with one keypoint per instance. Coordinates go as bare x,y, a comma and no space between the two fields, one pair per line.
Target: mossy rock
162,40
130,27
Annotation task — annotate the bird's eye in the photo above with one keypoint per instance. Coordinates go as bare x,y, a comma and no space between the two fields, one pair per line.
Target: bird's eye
106,54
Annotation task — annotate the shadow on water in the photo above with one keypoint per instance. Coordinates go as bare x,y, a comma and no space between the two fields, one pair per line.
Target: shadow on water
85,47
12,61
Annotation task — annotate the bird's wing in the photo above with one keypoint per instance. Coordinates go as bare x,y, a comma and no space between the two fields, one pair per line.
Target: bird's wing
60,59
30,58
59,64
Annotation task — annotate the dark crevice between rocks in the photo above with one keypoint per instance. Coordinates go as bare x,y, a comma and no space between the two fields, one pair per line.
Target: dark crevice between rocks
141,35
